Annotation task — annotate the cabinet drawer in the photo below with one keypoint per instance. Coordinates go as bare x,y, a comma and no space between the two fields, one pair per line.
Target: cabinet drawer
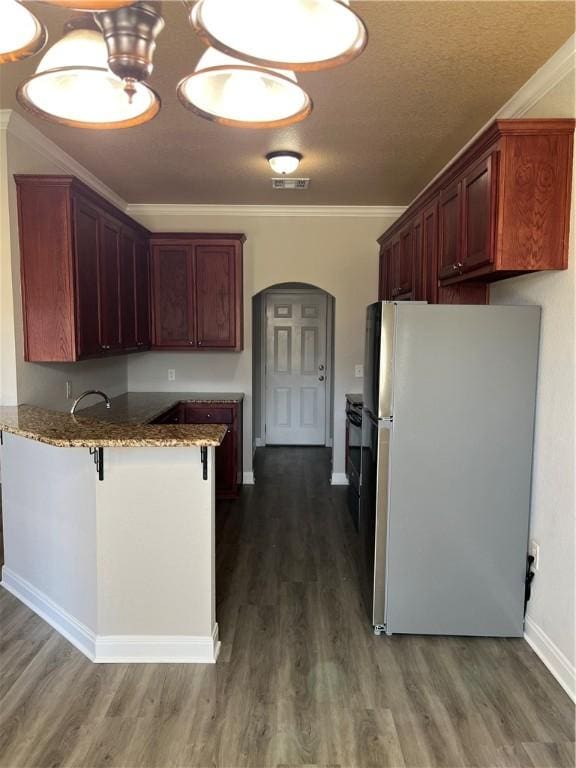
208,414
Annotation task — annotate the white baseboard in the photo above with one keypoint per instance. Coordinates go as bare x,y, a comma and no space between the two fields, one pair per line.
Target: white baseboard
248,478
81,636
110,649
552,657
338,478
259,442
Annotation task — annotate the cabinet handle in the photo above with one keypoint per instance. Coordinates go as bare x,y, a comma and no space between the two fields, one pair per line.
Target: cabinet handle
105,346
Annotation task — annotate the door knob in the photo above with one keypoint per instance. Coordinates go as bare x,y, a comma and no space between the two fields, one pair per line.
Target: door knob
320,367
320,378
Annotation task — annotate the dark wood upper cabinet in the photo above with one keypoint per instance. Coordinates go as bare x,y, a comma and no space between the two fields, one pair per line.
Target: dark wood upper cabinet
173,296
128,330
384,274
142,293
217,303
479,193
403,265
77,263
429,266
86,234
501,208
197,292
450,223
109,267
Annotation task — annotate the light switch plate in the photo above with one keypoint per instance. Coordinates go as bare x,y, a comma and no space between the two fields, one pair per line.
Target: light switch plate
359,371
171,374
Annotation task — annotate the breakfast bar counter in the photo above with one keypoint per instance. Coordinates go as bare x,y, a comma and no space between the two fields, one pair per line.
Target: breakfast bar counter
109,528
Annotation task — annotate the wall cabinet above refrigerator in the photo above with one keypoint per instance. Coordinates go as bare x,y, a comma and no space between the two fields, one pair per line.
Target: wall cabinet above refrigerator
500,209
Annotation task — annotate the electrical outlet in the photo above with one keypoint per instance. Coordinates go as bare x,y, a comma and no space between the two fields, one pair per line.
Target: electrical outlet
359,371
171,374
534,550
68,390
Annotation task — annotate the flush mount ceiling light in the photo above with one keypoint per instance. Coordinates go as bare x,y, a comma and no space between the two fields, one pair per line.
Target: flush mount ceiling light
21,34
235,93
284,161
294,34
73,85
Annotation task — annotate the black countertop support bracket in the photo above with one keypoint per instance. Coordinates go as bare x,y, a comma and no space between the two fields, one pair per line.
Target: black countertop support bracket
204,460
98,456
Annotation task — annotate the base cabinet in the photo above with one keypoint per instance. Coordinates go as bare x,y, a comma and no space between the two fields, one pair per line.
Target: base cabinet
229,453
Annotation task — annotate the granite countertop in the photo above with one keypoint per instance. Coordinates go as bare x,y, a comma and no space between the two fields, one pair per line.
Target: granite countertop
144,407
80,431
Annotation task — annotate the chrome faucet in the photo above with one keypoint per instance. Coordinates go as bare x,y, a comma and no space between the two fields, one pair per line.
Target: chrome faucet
90,392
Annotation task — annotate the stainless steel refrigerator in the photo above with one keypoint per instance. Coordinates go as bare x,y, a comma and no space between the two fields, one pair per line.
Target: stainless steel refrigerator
448,423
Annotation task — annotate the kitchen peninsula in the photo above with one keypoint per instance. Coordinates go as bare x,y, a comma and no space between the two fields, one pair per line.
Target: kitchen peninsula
109,525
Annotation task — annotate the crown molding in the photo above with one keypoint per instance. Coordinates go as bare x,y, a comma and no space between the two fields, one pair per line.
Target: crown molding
553,71
560,64
15,124
340,211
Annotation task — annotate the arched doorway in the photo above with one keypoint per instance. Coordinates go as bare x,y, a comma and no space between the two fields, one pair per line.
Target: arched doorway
293,364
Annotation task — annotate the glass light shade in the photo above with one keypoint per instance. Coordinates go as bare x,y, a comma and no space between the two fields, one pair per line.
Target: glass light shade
284,162
21,34
73,86
232,92
295,34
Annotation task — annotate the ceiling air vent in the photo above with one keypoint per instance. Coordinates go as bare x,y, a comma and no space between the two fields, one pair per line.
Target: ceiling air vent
283,183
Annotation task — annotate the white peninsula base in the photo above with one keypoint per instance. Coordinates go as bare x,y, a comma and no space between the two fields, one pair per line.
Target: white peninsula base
124,568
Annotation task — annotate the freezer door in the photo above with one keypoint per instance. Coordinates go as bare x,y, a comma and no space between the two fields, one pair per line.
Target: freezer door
379,359
373,518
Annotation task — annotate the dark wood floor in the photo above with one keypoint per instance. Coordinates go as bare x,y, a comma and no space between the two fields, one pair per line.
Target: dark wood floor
301,679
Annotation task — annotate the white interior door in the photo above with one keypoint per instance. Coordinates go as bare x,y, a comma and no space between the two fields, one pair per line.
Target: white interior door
296,368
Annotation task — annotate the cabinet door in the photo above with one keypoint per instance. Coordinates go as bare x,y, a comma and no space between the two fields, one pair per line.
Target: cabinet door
479,214
384,287
173,302
394,266
87,278
430,253
127,290
142,286
109,266
402,266
417,286
226,485
218,294
450,230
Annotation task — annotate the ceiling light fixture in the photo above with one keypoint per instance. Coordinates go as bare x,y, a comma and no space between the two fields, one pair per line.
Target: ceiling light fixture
21,34
73,85
130,34
235,93
292,34
284,161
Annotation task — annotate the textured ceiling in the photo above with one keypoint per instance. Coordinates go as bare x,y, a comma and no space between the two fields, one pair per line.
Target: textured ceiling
433,73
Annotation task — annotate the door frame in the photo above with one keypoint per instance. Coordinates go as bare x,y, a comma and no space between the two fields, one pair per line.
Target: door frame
329,438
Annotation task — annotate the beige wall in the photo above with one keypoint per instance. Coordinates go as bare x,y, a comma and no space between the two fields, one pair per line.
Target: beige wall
551,609
40,384
337,254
